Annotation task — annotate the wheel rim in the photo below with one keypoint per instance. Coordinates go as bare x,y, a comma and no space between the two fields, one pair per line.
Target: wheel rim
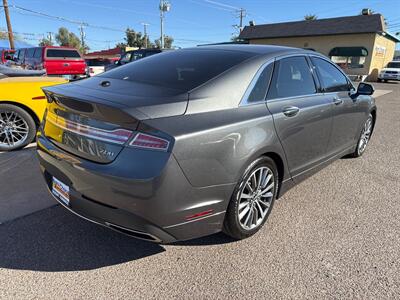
14,129
256,198
365,135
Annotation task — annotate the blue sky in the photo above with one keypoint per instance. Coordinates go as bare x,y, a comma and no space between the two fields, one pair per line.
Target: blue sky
190,22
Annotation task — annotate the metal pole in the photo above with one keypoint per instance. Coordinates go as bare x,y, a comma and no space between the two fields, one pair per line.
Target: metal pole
82,37
162,24
145,34
242,13
9,28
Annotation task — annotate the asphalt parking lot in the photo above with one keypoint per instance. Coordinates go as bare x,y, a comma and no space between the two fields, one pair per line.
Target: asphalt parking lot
337,235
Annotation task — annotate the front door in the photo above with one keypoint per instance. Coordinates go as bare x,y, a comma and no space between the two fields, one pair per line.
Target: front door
347,113
302,115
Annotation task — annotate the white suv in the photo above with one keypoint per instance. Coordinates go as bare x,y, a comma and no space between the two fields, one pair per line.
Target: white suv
391,72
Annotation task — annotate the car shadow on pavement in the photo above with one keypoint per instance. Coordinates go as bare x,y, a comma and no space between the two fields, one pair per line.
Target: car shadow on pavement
215,239
55,240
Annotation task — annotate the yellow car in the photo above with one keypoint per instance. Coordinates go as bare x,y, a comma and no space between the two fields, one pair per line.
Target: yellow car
22,105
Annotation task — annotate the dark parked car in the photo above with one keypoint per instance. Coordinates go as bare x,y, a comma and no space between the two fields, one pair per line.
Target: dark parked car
191,142
131,56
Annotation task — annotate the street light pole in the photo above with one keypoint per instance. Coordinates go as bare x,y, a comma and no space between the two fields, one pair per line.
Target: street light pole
145,33
9,28
165,6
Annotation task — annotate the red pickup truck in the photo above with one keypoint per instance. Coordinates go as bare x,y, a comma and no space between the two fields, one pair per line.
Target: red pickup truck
55,60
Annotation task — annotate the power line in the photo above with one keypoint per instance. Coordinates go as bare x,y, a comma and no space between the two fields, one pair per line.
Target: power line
233,8
59,18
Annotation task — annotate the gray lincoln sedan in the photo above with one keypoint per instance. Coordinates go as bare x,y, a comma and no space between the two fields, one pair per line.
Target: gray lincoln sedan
191,142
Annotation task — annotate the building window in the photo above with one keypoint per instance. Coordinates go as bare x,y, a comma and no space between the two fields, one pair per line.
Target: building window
349,57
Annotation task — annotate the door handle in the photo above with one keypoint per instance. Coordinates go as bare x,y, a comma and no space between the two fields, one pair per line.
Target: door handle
290,111
337,101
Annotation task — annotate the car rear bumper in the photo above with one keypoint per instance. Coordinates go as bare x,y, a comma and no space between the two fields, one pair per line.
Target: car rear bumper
155,208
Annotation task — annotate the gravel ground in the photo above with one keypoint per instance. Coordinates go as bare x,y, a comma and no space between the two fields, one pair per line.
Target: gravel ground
336,235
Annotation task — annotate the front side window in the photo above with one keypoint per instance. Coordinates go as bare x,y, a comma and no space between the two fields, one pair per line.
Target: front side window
292,77
259,90
332,79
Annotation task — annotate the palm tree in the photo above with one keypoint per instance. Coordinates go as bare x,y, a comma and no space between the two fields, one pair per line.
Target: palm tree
310,17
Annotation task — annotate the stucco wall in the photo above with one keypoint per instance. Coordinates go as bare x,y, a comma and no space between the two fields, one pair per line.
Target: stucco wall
380,60
324,44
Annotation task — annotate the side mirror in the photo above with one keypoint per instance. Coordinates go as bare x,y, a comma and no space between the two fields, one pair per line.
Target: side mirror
363,89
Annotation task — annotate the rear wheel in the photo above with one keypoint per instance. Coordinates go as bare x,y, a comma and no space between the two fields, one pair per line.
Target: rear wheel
252,200
17,128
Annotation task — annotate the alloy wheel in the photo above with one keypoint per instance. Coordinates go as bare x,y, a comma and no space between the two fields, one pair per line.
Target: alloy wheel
365,135
14,130
255,198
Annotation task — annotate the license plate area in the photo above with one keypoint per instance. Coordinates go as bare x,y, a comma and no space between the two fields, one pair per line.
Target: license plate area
60,190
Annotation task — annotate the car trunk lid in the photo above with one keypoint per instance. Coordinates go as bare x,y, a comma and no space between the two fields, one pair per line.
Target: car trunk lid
93,122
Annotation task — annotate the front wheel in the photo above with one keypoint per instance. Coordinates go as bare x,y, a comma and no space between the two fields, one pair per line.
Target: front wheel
365,136
252,200
17,128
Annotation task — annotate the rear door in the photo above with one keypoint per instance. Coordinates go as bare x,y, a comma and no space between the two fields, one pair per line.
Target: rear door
64,61
347,113
302,115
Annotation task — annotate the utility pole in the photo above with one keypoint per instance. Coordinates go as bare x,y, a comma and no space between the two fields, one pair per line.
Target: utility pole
242,14
165,6
82,32
145,33
50,37
9,28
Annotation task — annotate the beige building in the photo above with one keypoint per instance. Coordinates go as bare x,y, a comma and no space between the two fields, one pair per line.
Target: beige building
360,45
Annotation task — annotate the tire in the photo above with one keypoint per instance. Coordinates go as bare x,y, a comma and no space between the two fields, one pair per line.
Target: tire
238,223
379,80
17,127
385,80
365,137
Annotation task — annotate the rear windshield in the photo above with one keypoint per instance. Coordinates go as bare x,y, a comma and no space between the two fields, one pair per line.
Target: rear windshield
179,69
62,53
394,65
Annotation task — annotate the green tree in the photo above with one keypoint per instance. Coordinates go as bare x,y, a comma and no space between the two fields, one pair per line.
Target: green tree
134,39
3,35
168,41
45,42
310,17
66,38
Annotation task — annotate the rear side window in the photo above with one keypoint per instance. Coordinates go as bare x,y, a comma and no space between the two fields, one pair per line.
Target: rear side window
30,52
259,91
179,69
62,53
332,79
38,52
292,77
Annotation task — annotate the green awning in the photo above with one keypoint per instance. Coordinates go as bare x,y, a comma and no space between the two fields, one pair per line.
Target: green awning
348,51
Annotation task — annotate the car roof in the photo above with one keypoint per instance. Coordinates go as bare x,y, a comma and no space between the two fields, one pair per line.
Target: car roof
256,49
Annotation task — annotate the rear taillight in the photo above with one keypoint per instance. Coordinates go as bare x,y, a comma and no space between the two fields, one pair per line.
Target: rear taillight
147,141
116,136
